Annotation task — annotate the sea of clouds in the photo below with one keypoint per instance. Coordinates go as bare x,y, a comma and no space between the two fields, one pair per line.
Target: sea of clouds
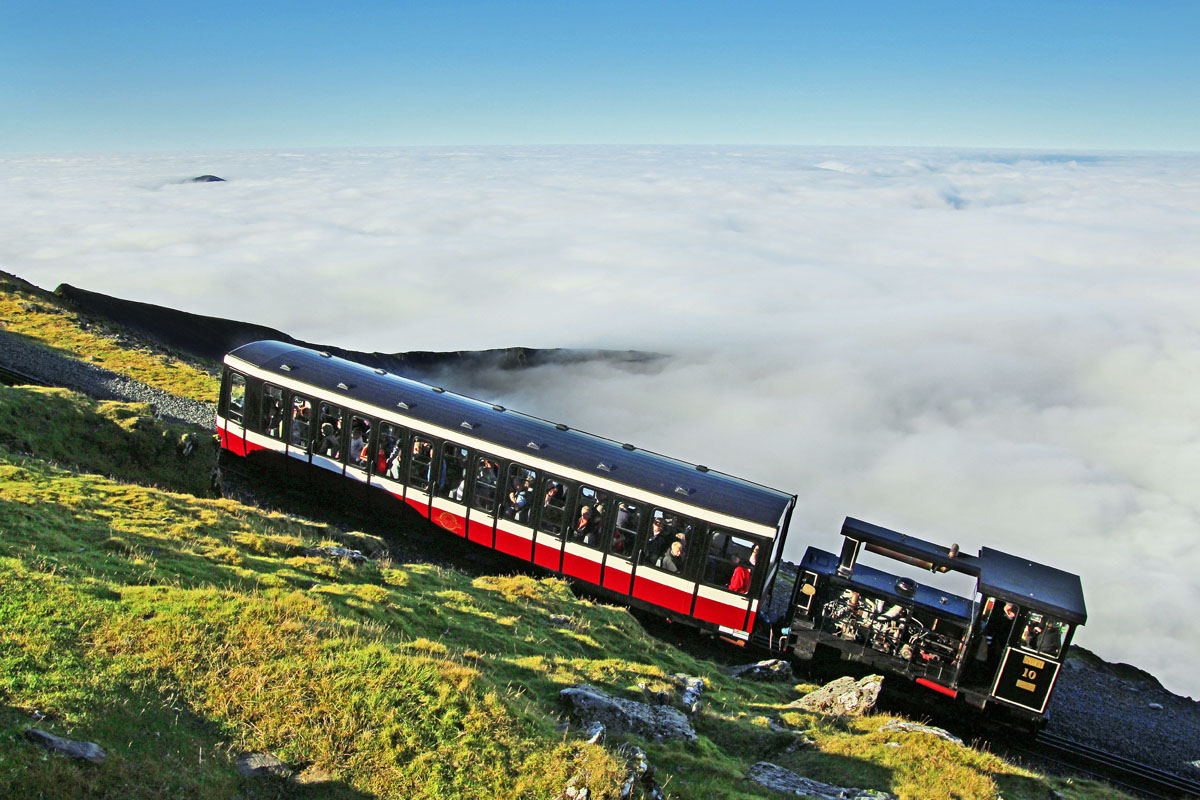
989,348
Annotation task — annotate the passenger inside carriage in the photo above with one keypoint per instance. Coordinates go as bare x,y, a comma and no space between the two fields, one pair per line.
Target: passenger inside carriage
673,560
740,582
328,446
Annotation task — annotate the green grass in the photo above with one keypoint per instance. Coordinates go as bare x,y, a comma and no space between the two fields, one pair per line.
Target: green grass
180,631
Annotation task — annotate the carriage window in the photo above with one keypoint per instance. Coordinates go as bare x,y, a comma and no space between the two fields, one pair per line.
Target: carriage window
237,396
452,482
420,468
487,474
359,454
271,418
520,493
390,462
731,560
302,414
670,537
1043,634
585,524
625,528
554,506
329,430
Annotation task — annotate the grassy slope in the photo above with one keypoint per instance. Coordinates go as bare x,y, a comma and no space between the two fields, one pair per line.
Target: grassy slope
43,319
180,631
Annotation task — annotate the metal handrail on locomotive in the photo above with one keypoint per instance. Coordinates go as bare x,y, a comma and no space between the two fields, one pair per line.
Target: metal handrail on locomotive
692,544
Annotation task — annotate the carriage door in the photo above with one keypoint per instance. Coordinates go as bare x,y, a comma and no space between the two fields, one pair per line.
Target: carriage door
661,575
514,527
481,525
449,498
361,456
420,474
233,437
389,469
724,596
552,523
582,556
622,545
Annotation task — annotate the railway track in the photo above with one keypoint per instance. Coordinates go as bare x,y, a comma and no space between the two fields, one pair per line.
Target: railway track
15,377
1128,775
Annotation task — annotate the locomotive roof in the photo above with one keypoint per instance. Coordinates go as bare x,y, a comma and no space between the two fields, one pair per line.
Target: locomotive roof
683,482
1007,577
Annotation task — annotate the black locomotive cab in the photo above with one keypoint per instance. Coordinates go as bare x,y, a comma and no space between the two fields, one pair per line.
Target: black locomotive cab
1002,645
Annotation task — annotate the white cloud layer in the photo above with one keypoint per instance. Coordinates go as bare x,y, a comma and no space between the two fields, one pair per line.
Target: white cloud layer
996,349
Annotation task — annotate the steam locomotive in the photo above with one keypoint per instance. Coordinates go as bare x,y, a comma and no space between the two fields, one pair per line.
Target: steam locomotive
681,540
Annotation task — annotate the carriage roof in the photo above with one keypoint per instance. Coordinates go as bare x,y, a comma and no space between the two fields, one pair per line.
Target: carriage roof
331,376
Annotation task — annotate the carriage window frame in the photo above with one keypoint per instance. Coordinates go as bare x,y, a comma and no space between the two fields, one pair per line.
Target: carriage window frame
398,465
414,462
235,398
352,458
478,500
674,524
721,556
548,510
598,503
444,489
624,533
520,516
295,428
273,428
324,417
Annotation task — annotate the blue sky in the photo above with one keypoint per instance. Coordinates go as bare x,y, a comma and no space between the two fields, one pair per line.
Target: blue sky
130,76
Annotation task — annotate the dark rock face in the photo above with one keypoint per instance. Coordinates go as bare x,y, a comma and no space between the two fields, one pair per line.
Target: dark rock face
87,751
207,179
624,716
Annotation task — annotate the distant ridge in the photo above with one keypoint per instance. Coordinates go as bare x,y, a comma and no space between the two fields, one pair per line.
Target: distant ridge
212,337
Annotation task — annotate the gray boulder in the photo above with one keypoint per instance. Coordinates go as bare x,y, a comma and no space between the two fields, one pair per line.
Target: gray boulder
626,716
783,780
337,552
87,751
641,771
844,697
773,669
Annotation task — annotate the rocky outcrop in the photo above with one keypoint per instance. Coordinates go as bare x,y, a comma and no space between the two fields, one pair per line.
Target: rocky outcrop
784,780
590,705
773,669
262,765
86,751
692,688
912,727
641,771
844,697
337,552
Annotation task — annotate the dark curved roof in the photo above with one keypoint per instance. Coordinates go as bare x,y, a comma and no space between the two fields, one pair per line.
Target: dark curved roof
644,470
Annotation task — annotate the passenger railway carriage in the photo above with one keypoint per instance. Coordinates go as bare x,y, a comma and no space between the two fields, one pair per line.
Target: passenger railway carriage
675,537
689,543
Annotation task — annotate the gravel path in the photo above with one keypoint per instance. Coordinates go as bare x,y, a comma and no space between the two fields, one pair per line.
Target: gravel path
58,370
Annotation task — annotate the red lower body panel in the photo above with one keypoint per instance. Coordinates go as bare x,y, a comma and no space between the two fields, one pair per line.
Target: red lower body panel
721,613
660,595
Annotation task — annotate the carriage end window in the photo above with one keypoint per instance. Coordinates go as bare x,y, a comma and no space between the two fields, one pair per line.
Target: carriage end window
237,396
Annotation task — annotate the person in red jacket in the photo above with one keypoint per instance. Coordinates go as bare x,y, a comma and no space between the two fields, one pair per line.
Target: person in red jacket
740,581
